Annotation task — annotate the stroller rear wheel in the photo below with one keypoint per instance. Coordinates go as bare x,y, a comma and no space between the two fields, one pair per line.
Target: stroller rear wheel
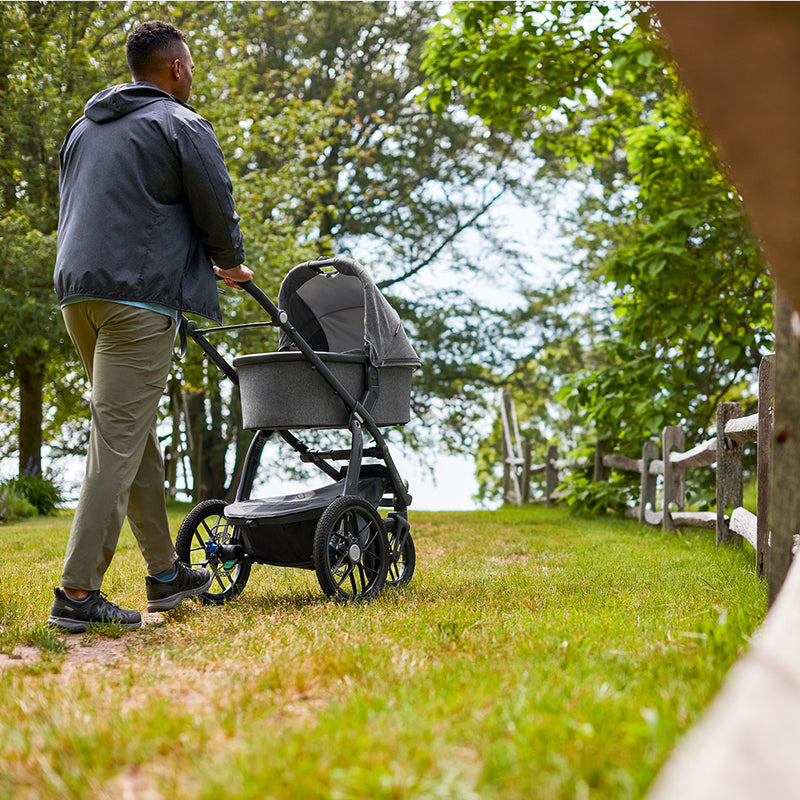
350,551
402,559
207,539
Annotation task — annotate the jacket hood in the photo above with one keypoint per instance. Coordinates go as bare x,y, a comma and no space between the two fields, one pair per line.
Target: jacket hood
118,101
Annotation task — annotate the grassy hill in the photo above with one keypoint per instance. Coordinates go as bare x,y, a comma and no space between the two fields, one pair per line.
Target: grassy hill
534,655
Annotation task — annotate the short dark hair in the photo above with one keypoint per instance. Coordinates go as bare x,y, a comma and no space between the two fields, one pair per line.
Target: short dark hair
148,40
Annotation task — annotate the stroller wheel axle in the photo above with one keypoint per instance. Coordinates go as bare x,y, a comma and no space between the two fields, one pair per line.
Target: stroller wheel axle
354,554
226,554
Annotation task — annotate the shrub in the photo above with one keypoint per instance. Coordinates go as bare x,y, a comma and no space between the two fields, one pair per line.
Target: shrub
13,506
41,492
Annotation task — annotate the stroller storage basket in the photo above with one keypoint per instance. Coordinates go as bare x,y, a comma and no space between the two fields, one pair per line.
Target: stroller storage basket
281,391
280,530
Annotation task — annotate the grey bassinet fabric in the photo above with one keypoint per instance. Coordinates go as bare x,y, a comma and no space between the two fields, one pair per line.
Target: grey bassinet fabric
344,311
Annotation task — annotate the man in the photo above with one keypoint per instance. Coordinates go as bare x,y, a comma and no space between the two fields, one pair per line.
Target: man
146,205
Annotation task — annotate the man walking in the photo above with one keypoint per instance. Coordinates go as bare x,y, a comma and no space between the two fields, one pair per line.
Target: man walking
146,207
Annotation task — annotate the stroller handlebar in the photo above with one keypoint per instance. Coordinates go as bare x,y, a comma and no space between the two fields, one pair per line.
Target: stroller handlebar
331,261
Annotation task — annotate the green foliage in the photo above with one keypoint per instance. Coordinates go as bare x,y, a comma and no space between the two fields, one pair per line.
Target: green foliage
663,253
40,491
593,498
512,63
317,110
14,505
691,297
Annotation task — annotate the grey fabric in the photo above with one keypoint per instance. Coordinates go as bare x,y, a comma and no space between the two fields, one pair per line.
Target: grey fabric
379,328
243,512
383,331
146,204
285,391
337,302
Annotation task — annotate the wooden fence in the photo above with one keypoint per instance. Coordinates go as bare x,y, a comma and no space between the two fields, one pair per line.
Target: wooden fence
669,462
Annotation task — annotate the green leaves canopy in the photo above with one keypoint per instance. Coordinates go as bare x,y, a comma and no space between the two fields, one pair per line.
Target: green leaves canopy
663,253
317,109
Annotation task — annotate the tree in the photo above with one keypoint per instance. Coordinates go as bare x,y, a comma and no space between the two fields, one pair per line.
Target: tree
660,232
35,82
333,151
53,57
330,148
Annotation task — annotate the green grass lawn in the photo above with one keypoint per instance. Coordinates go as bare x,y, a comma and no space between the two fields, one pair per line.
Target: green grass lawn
534,655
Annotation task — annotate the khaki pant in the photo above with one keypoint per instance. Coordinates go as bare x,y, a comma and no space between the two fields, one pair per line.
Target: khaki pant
126,353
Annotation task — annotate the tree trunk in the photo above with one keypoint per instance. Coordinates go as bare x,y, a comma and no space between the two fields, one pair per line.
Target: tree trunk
210,447
241,439
31,382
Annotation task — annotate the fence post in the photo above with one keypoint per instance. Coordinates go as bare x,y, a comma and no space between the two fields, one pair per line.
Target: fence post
784,499
512,455
673,438
526,473
600,470
551,474
729,473
766,393
647,494
506,471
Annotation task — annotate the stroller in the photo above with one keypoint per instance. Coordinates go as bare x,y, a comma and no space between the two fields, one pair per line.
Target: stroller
343,362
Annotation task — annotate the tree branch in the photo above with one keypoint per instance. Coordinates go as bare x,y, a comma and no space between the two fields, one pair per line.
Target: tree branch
448,239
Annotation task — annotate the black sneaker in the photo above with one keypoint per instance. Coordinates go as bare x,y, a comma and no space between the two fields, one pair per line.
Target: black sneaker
188,582
76,617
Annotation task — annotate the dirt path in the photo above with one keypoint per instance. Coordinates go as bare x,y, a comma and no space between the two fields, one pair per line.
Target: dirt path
97,650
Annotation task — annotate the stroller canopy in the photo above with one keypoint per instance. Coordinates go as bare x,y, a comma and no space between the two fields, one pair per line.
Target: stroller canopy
344,312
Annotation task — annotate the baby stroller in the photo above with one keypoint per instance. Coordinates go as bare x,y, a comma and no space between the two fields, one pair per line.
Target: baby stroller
343,362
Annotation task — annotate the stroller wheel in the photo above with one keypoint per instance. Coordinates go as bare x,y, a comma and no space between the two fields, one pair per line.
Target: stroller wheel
207,539
402,558
350,552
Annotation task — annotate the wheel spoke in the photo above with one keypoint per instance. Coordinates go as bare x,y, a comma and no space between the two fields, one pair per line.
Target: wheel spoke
217,579
347,574
370,536
350,525
353,581
204,527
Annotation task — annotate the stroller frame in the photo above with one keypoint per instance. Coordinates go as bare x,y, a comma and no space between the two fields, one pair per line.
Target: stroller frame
335,530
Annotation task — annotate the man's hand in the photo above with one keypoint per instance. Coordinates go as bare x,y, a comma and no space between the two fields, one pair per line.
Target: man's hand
234,276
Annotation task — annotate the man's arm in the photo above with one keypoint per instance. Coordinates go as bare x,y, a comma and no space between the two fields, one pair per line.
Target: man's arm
210,194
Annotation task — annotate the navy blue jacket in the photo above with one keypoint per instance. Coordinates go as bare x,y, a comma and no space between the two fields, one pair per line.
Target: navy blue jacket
146,204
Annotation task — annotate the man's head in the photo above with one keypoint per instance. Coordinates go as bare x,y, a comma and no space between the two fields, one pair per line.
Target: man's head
157,53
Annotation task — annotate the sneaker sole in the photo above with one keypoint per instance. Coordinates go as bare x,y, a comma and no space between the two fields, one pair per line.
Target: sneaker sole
80,626
167,603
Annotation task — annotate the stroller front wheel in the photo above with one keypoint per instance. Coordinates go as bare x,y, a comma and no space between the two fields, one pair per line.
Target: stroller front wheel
350,553
207,539
402,559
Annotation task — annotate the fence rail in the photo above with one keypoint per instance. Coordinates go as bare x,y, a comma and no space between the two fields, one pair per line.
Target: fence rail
669,462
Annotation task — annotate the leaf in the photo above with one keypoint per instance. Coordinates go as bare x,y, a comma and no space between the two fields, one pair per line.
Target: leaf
700,331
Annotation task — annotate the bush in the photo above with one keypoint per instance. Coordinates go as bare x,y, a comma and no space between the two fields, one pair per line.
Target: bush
39,491
14,506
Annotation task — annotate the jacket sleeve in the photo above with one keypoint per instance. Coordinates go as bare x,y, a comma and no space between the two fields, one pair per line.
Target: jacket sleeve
209,193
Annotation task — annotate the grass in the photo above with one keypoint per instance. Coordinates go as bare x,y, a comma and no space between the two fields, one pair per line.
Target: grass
534,655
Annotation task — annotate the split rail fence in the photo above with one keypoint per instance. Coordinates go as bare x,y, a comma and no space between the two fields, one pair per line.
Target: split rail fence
669,462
